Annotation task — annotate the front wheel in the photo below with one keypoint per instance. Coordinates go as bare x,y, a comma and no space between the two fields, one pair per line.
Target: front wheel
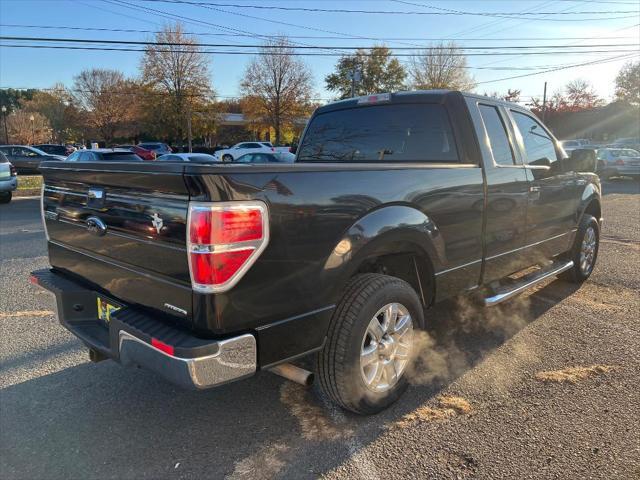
227,158
584,251
363,364
5,197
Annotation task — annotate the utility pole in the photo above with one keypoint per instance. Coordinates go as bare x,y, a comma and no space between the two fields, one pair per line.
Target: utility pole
544,102
189,133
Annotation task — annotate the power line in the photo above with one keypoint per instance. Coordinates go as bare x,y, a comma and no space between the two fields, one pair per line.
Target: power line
309,37
450,11
594,62
440,12
309,54
306,47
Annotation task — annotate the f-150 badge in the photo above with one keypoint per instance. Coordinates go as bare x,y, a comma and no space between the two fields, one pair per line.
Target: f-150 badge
157,222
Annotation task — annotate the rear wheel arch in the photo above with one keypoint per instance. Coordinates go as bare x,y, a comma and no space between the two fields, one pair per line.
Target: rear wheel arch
395,240
409,263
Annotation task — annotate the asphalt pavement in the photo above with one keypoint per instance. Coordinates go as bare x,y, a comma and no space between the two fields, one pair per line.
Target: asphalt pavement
545,386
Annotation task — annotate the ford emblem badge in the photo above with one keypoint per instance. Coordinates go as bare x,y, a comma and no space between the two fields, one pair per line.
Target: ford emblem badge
96,226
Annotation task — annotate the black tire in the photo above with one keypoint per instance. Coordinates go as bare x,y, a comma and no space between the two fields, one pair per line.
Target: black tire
5,197
227,158
339,361
578,274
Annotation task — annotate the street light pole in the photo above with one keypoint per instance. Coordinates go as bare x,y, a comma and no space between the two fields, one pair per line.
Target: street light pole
32,130
4,119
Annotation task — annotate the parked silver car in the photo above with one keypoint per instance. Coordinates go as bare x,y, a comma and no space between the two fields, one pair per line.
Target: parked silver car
8,180
616,162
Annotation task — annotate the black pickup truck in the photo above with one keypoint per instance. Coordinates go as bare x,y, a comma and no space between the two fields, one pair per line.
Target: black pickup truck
208,273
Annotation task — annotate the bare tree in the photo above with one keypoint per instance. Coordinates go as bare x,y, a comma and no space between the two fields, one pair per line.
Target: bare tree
276,86
628,83
176,66
23,130
581,96
107,98
57,106
441,66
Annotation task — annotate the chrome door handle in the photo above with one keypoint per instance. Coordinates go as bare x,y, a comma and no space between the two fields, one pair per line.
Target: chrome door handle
534,189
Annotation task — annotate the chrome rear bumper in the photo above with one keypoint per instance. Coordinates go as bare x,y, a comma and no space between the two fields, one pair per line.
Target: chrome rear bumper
234,360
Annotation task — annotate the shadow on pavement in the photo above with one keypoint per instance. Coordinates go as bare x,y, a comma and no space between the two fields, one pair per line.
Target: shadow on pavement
104,421
620,185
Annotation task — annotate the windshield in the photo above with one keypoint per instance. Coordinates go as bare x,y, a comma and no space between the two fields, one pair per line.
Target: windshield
152,146
391,133
202,158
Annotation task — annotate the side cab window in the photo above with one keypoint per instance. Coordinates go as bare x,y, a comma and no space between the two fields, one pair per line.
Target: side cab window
73,157
539,148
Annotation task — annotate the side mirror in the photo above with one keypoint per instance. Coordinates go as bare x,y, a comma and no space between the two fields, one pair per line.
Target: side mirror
581,160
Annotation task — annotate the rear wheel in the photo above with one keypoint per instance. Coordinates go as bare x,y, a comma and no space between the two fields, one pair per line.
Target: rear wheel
363,363
5,197
227,158
584,251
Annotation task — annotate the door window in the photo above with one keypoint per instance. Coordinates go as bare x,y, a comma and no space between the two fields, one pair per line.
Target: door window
539,148
23,152
497,134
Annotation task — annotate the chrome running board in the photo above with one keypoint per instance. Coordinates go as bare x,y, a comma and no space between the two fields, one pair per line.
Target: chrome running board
526,282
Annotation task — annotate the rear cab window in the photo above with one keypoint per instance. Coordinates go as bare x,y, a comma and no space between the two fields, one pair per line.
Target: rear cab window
121,157
381,133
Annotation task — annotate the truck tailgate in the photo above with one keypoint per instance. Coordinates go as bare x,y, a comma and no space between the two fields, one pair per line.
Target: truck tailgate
122,229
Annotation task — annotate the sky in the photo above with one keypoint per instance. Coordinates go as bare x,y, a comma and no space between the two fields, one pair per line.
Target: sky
213,20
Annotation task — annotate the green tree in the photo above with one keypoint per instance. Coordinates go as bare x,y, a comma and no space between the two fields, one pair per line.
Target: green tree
379,73
441,66
628,83
11,97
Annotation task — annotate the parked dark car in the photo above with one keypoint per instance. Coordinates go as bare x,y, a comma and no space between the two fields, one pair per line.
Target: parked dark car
205,274
104,155
143,153
27,159
53,149
158,147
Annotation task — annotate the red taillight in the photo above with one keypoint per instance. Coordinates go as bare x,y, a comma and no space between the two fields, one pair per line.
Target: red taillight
224,239
619,162
216,227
